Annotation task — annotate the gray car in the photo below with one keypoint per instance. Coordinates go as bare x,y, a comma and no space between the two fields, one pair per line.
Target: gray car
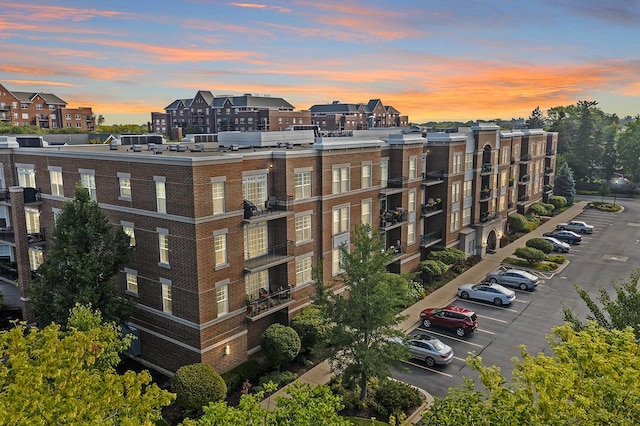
516,278
559,246
429,349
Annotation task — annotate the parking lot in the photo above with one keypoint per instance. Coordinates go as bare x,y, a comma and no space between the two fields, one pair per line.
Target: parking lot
610,253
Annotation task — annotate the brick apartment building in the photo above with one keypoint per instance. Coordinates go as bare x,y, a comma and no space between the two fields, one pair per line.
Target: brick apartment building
44,110
223,113
338,116
226,234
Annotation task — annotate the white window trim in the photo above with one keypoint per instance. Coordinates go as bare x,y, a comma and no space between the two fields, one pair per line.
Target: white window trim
300,259
129,271
217,233
124,224
59,170
163,231
224,283
165,282
124,176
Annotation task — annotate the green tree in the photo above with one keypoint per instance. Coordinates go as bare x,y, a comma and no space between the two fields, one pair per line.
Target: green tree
564,185
196,385
280,343
541,244
530,254
303,405
558,201
517,222
613,313
628,147
311,326
536,119
591,379
79,268
366,317
49,376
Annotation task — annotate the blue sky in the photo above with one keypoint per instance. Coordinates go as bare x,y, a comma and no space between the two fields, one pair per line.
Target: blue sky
431,60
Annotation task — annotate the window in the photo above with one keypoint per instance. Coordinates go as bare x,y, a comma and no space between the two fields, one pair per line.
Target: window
466,216
166,296
455,221
457,163
411,206
26,176
384,173
302,181
365,212
163,246
455,192
38,106
468,188
222,298
413,167
220,249
161,194
254,282
254,189
340,220
25,116
503,179
366,175
129,229
505,155
35,258
77,116
125,185
303,270
411,233
502,203
55,176
132,280
217,195
67,116
468,161
255,241
88,180
56,214
340,179
32,217
303,228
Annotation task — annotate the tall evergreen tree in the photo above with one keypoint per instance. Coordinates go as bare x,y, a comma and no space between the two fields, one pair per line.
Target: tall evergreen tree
564,184
536,119
366,317
628,147
85,255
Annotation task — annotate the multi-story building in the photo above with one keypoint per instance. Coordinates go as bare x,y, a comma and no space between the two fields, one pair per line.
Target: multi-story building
44,110
223,113
226,238
338,116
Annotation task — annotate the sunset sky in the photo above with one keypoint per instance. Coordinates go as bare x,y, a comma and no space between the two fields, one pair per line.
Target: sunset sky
432,60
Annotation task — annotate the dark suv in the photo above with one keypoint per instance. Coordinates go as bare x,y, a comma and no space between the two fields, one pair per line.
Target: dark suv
461,320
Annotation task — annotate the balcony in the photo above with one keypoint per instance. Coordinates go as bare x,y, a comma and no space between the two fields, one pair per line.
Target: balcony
433,178
36,238
4,107
524,179
395,185
525,158
431,238
512,160
487,217
550,153
274,208
548,171
268,303
486,169
392,218
8,271
547,188
485,195
275,255
31,196
523,198
7,235
511,183
431,209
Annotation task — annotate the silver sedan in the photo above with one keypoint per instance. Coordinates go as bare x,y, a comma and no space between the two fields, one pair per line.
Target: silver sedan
487,292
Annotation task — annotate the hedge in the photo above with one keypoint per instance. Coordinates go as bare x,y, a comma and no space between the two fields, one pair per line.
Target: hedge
196,385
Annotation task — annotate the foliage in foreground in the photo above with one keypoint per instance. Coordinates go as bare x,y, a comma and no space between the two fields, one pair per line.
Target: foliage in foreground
50,376
304,405
196,385
591,379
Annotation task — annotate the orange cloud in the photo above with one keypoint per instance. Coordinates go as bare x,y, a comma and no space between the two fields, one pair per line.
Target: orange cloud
40,13
261,6
40,83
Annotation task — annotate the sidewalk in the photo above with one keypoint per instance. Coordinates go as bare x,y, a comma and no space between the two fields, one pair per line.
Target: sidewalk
321,373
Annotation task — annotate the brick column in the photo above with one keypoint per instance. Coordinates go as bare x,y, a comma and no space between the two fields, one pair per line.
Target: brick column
19,224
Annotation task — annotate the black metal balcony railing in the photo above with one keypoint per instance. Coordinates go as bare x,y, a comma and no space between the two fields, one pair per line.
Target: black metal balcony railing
275,254
433,177
7,235
31,195
486,168
550,153
485,194
548,171
486,217
524,179
398,248
271,206
8,271
36,237
512,160
399,182
431,238
392,217
266,302
523,198
431,209
526,157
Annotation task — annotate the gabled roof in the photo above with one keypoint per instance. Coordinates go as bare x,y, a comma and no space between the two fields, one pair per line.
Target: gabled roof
206,95
49,98
251,101
391,110
373,103
175,104
335,108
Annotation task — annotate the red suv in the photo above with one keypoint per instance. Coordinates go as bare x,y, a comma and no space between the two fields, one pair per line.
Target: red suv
462,320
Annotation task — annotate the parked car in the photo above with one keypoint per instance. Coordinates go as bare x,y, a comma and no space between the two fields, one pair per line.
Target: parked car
559,246
430,349
576,226
461,320
566,236
487,292
514,278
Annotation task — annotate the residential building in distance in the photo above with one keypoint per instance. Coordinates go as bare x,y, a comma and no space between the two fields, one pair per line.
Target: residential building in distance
226,233
339,117
222,113
44,110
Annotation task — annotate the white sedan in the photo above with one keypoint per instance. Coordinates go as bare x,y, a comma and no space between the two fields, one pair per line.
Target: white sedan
494,293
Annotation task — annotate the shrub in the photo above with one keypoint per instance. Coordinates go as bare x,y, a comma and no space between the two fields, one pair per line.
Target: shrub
311,326
538,208
550,208
558,259
279,378
350,396
517,222
449,256
558,201
280,343
531,225
541,244
530,254
393,397
234,378
196,385
433,268
415,292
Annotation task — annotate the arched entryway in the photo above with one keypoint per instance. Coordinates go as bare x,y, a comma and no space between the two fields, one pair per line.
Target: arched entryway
492,241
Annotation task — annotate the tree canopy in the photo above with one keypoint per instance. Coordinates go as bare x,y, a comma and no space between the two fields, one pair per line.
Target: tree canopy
366,316
86,254
564,184
591,379
50,376
536,119
628,148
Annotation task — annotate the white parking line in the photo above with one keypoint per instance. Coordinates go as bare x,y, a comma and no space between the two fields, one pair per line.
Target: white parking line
522,301
460,359
427,368
492,319
485,331
486,304
450,337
